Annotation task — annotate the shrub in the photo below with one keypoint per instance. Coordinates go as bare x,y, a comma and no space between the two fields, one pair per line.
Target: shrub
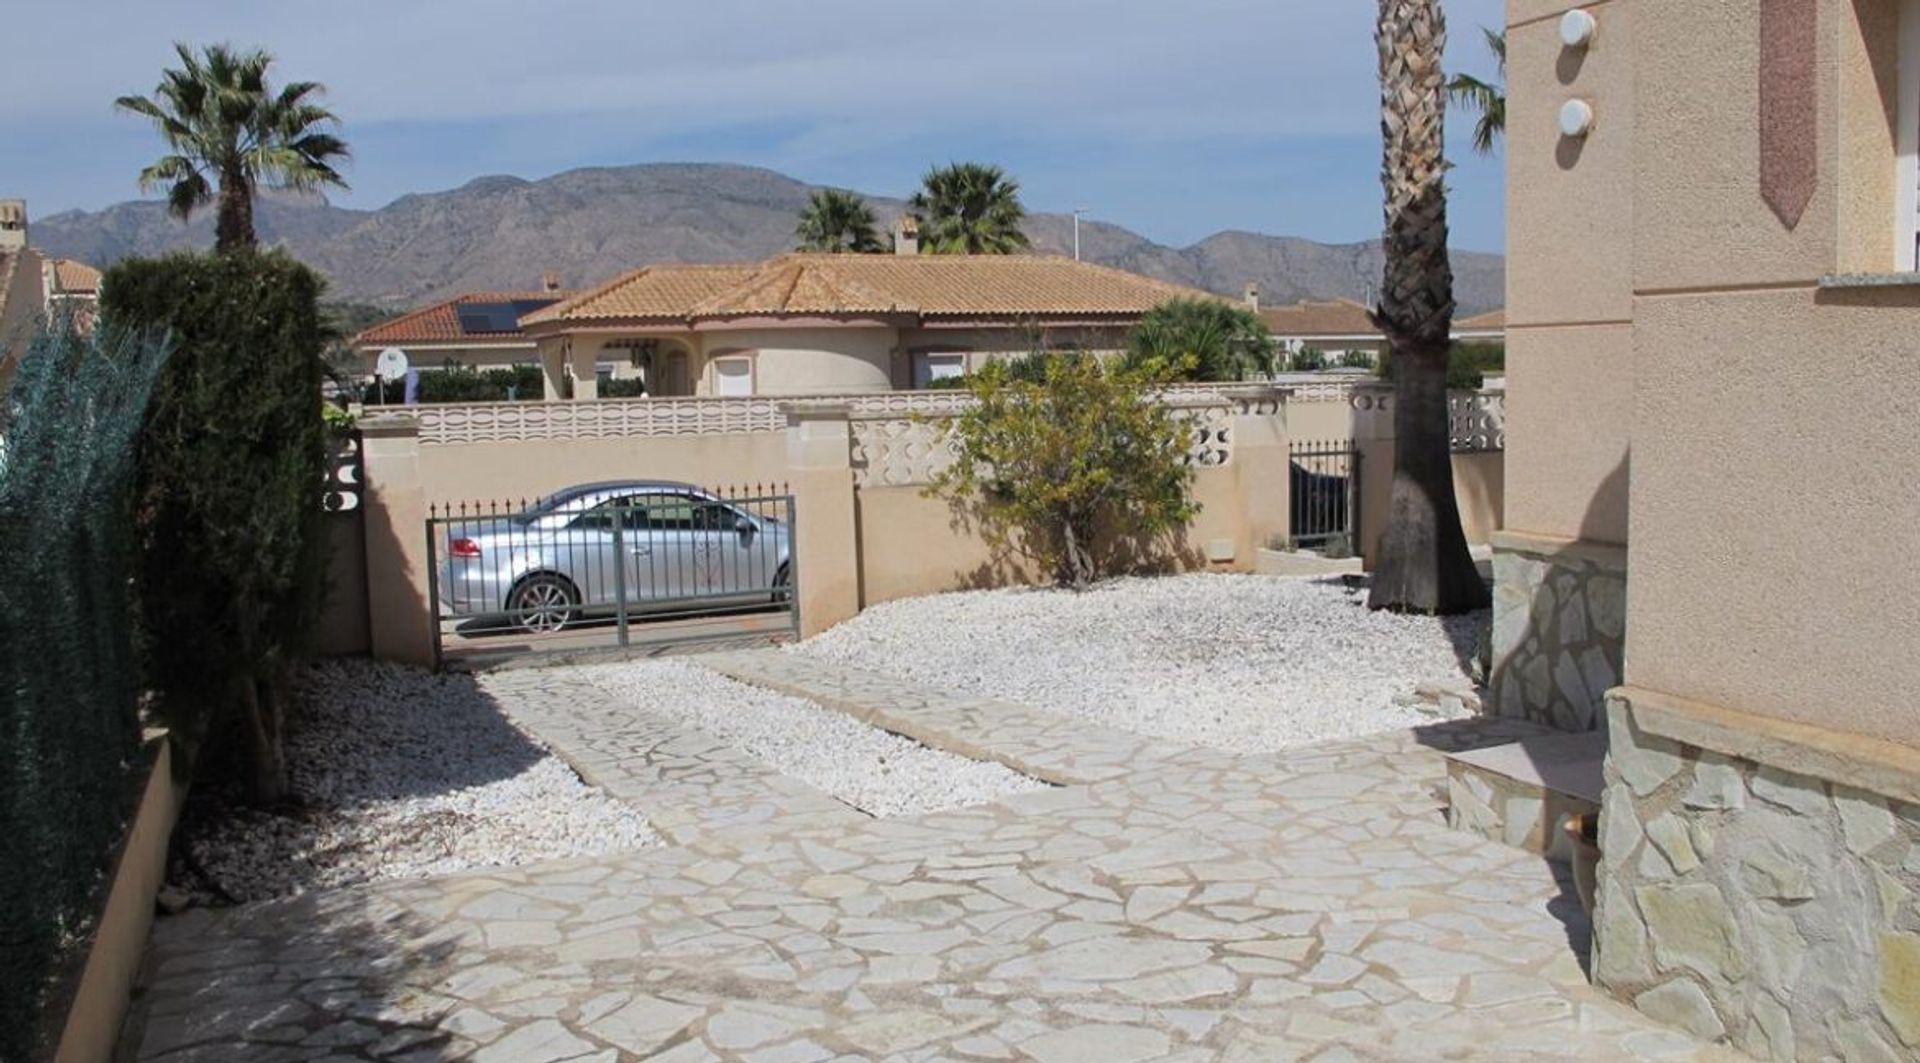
457,382
233,555
1467,364
1207,340
1307,360
68,682
1083,472
631,387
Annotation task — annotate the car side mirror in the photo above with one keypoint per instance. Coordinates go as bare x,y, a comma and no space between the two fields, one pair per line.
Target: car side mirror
744,527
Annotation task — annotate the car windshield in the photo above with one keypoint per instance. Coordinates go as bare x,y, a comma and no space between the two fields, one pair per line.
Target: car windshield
560,500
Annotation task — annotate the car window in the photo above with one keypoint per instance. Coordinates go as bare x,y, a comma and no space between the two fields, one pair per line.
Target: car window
662,512
601,517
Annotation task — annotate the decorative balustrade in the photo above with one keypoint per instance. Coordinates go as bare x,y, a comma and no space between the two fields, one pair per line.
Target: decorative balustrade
1477,421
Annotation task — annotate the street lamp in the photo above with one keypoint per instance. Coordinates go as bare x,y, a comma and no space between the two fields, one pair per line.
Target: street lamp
1076,232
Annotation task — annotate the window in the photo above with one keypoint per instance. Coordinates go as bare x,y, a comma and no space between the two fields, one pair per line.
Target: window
931,366
733,376
1907,147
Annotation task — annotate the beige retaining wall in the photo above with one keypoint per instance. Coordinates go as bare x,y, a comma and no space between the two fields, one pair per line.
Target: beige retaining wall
856,465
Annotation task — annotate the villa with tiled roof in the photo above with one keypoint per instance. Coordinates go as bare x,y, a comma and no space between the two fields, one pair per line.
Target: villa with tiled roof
793,324
477,330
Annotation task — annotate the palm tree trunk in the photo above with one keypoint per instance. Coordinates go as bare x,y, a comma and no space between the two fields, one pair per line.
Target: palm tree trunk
1423,563
233,229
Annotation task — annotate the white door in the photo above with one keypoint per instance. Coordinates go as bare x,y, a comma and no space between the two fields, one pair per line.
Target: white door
733,376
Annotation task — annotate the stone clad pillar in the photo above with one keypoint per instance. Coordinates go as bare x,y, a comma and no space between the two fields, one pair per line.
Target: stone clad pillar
399,613
826,546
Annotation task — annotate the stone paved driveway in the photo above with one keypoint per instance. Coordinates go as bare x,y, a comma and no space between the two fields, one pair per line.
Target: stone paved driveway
1170,903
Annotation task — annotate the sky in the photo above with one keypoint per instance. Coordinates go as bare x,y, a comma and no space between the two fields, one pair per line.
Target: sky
1174,118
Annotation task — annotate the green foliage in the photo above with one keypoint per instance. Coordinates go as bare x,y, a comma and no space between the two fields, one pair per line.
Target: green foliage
1208,340
68,679
229,513
632,387
1354,359
1083,472
1307,360
1468,364
837,221
228,132
969,208
1488,98
458,382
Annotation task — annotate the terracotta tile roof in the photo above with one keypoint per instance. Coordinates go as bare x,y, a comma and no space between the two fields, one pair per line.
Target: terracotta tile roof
1491,321
71,277
440,322
1328,317
962,286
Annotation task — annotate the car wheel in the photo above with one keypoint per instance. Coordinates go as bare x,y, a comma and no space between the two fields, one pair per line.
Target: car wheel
783,584
544,603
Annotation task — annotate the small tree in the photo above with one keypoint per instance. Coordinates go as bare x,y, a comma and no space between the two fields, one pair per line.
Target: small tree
1082,473
969,208
1307,360
1208,340
838,222
231,463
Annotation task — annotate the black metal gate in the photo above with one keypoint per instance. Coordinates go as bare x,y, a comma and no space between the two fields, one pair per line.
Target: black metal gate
1325,496
611,566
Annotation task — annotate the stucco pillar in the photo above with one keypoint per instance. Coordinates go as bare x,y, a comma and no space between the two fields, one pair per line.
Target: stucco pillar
1261,468
399,611
580,365
826,546
553,371
1371,418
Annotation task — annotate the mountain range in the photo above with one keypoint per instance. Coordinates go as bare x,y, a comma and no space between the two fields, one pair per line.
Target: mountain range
588,225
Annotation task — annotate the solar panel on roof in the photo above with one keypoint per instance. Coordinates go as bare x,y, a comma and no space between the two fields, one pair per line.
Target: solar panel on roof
497,317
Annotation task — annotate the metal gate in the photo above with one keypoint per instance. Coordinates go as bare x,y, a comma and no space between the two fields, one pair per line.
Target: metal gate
1325,494
610,566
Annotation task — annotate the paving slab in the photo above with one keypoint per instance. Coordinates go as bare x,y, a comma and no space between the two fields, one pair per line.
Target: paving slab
1172,904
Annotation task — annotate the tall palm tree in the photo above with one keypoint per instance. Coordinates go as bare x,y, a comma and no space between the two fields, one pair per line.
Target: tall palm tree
1423,565
230,133
969,208
1207,340
1488,99
837,220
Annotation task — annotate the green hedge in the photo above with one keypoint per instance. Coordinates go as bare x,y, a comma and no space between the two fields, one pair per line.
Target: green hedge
68,679
1468,364
464,383
232,461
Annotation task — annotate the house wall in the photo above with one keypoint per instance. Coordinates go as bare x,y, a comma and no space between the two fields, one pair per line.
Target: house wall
802,361
22,306
1686,378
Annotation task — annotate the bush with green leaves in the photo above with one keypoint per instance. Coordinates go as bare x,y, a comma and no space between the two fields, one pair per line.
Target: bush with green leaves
1210,340
231,463
1468,365
69,422
1307,360
1084,472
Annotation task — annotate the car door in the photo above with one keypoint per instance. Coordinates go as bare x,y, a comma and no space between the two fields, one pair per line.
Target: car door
734,549
585,554
663,549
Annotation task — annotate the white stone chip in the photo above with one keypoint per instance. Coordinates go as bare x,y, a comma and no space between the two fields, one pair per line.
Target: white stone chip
1244,663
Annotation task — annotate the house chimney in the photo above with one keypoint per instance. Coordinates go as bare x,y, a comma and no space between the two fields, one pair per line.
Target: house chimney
1253,297
906,235
550,281
13,223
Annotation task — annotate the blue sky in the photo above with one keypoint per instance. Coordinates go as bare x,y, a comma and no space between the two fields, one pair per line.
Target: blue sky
1175,119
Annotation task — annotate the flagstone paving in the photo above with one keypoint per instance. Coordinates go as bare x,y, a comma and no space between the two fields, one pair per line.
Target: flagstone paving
1173,904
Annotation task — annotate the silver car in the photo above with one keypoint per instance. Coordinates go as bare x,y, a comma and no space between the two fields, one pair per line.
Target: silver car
640,546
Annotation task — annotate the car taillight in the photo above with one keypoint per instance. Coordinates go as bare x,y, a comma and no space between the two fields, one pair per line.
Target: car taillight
463,548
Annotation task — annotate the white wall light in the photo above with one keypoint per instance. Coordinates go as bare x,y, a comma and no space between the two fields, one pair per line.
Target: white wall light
1576,118
1576,29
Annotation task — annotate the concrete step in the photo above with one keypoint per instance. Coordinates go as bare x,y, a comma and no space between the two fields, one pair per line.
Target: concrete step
1520,793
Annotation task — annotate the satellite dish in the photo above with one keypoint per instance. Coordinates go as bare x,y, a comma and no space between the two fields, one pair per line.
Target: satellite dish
391,365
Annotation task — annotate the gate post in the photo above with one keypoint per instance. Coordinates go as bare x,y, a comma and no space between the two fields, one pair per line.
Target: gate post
826,551
1372,435
400,612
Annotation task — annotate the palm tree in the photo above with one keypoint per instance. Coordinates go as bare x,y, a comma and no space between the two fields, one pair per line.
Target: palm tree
1490,100
1423,565
969,208
1208,340
837,220
230,133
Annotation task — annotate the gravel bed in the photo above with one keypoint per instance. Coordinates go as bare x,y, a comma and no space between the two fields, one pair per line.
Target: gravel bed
398,773
1242,663
876,771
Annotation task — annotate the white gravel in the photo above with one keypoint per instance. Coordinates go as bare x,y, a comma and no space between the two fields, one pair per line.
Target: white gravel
1242,663
399,773
876,771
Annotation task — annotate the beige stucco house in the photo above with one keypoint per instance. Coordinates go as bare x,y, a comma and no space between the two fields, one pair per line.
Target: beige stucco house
818,323
1713,495
1342,326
